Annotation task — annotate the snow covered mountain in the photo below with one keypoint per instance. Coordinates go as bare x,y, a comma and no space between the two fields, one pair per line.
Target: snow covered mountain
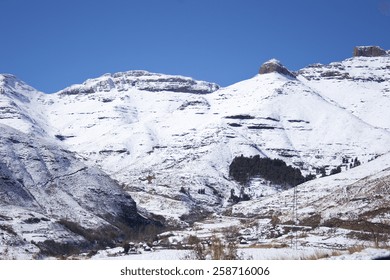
168,141
361,85
156,140
19,106
51,202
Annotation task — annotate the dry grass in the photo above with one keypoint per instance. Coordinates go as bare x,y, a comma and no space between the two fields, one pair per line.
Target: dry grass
269,246
216,250
356,249
302,235
317,255
231,233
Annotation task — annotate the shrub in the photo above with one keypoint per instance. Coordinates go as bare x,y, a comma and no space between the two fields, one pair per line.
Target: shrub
217,250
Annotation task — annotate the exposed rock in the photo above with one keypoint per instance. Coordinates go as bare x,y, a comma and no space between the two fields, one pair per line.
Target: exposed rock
141,80
274,65
369,51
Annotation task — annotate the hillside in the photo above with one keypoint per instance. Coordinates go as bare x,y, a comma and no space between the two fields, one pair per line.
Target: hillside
134,148
156,140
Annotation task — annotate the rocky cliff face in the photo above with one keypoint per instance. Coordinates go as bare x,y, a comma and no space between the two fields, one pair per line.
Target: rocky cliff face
369,51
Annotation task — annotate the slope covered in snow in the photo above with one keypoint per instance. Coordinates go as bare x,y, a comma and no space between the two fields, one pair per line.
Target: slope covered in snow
47,194
50,201
19,106
168,141
285,118
165,145
361,85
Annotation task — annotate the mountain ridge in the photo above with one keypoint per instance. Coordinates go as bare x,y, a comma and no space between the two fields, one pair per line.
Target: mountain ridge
165,143
142,80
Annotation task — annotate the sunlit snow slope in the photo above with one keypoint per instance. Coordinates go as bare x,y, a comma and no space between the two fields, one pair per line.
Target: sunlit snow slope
166,137
169,140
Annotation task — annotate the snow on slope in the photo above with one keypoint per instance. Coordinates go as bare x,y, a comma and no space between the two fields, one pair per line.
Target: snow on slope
45,190
341,211
359,84
291,120
41,175
164,145
166,138
133,134
332,196
20,107
34,165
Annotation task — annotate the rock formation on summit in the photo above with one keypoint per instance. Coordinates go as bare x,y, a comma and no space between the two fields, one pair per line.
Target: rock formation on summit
274,65
369,51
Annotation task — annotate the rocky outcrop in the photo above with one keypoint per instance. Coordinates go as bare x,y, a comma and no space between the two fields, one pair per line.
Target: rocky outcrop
141,80
369,51
274,66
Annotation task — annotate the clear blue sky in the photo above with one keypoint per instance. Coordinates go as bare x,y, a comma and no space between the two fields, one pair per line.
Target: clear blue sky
52,44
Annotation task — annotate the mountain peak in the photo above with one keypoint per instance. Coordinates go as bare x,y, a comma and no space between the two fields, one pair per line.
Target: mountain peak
274,65
11,85
369,51
7,80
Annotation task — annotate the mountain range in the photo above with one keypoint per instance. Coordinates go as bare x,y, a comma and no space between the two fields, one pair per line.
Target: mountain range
136,149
